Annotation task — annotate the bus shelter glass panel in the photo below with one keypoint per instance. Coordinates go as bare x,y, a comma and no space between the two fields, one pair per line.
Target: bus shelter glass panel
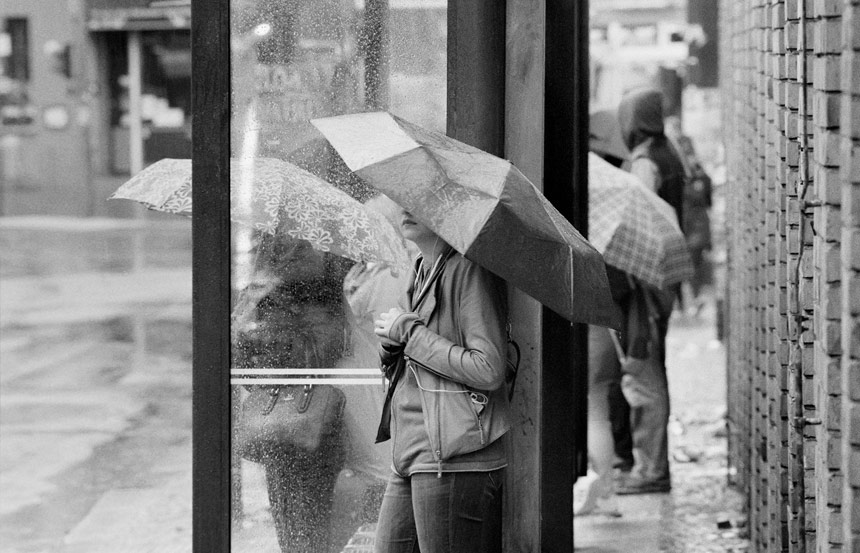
307,390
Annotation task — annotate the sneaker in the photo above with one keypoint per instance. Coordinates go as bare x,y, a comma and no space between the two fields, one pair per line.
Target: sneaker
592,496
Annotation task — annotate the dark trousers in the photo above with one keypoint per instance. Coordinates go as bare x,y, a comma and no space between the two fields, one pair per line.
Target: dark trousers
301,490
459,512
643,429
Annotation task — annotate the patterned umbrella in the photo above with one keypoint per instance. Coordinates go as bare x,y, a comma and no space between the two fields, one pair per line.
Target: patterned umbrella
275,196
634,229
481,205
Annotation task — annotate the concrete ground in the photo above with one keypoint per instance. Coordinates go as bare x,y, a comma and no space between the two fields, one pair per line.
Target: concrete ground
95,406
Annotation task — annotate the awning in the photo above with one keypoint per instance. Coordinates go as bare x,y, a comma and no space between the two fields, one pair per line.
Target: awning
138,15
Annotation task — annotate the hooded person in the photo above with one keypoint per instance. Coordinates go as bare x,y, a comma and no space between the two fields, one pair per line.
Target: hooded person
656,163
652,157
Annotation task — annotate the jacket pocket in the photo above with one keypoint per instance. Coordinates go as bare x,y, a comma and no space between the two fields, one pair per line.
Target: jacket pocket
452,414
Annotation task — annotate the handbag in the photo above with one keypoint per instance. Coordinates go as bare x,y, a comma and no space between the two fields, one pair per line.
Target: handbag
283,419
635,391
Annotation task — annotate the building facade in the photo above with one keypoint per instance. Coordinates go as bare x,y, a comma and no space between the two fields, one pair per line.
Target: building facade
74,73
790,76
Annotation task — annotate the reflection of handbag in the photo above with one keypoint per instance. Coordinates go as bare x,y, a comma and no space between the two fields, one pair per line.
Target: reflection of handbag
288,418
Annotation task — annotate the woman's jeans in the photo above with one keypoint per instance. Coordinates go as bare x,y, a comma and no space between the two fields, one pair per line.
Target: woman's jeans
459,512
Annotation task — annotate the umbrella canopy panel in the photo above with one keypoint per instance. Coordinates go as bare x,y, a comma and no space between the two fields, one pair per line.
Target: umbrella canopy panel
634,229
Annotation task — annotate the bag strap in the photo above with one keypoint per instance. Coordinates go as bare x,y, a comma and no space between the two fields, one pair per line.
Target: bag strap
513,366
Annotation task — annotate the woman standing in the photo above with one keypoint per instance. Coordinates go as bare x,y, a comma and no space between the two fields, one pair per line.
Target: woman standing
448,407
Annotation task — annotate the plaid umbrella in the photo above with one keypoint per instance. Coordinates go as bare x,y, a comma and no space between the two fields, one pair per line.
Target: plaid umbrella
277,197
634,229
482,206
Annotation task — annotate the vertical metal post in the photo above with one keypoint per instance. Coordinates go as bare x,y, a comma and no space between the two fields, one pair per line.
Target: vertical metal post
564,384
211,405
376,37
135,143
135,133
476,74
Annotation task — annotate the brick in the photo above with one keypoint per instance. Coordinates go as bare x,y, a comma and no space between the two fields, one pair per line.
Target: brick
827,8
850,70
851,248
827,185
831,311
832,413
851,337
791,35
852,423
833,454
850,114
851,509
827,36
825,108
831,337
851,379
792,95
850,293
825,73
849,169
831,368
827,145
828,222
834,536
850,28
830,262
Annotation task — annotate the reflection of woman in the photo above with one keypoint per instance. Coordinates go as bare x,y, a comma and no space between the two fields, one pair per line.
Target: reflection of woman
292,315
446,359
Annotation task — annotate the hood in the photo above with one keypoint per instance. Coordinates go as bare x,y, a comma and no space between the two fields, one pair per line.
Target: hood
640,115
605,135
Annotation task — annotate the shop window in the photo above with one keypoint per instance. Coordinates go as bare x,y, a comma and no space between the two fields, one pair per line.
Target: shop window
301,315
15,49
165,100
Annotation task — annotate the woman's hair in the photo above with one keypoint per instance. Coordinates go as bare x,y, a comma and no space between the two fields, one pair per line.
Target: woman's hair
291,321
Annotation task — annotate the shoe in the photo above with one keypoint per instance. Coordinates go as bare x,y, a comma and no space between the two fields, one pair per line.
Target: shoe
586,491
632,485
592,496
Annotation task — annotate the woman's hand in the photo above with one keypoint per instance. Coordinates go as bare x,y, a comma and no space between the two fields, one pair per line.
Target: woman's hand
382,326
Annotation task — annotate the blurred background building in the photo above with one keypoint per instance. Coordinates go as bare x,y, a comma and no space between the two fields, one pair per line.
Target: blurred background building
66,99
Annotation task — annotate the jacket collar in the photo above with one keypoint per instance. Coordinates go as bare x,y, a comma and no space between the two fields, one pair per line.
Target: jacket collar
424,300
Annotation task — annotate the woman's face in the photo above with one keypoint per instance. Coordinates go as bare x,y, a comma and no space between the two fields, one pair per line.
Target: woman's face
413,230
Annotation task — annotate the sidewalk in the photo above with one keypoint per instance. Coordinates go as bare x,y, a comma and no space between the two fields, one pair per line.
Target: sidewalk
685,520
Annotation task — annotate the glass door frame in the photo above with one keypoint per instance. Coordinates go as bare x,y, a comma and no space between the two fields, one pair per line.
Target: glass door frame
476,113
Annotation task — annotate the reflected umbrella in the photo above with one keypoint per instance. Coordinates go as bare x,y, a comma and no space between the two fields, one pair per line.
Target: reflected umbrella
279,198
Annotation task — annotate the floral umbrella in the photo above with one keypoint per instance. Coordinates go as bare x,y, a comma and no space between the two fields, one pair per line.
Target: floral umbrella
277,197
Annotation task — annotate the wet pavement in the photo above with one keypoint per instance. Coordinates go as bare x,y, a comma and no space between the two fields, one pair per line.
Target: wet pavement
95,406
701,514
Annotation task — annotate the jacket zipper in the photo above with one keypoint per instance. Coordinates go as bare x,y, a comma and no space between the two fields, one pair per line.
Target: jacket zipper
437,451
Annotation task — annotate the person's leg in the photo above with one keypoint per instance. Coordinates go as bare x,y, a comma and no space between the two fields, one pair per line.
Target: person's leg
300,491
603,370
622,434
461,512
395,532
649,422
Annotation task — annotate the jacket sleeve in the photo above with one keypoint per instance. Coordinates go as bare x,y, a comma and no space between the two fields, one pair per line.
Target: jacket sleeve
479,362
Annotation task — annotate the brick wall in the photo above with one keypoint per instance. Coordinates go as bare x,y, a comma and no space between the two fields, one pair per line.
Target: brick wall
790,76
